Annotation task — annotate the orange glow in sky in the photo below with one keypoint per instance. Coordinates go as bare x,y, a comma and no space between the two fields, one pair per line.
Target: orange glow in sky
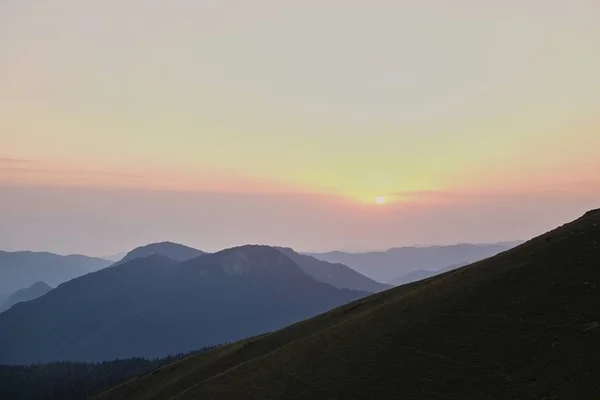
342,105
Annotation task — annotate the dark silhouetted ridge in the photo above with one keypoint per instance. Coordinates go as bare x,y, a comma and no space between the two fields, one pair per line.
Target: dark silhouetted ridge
522,324
592,213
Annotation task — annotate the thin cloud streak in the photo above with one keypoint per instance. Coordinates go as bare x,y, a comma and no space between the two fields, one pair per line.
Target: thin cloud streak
210,180
119,219
12,161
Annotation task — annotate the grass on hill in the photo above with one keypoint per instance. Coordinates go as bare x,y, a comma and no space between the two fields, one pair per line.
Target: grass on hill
523,324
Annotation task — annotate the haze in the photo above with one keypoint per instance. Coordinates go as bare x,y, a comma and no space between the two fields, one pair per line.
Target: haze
221,123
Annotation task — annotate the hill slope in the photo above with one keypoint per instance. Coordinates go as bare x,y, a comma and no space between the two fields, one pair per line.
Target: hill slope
154,306
383,266
421,274
21,269
337,275
174,251
522,324
32,292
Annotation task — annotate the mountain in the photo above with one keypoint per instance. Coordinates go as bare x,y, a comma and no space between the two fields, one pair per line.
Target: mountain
114,257
34,291
337,275
421,274
522,324
21,269
155,306
174,251
384,266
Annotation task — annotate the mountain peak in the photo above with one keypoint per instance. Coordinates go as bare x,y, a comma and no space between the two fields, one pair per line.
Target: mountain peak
246,259
29,293
40,285
174,251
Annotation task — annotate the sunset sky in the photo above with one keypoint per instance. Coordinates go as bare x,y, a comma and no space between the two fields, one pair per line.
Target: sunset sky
315,124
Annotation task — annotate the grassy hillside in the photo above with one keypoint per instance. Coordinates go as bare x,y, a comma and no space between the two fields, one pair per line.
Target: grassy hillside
523,324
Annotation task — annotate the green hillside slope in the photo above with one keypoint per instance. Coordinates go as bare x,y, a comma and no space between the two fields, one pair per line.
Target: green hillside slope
523,324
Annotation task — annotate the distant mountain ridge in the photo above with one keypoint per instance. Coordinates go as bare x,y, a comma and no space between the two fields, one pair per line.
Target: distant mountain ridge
20,269
174,251
421,274
337,275
383,266
519,325
34,291
114,257
155,306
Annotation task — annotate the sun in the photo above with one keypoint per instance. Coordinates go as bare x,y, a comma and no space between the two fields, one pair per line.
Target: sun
380,200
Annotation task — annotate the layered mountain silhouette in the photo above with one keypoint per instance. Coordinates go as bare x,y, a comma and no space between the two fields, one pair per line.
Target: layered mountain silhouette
34,291
522,324
174,251
337,275
21,269
421,274
114,257
383,266
155,306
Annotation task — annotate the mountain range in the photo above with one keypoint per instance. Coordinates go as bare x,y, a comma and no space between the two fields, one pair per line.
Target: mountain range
367,270
34,291
21,269
155,306
522,324
384,266
335,274
421,274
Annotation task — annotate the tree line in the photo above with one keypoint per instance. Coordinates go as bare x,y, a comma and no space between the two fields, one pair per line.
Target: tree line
75,380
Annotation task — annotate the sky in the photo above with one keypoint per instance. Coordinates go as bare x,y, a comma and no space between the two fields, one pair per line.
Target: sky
319,125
